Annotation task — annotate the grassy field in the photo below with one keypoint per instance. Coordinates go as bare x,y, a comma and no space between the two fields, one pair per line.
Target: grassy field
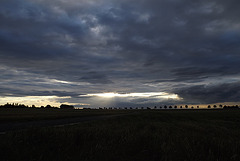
28,114
147,135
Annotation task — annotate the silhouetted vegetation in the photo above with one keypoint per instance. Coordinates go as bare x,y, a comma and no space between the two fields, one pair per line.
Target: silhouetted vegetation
16,105
48,106
231,107
64,106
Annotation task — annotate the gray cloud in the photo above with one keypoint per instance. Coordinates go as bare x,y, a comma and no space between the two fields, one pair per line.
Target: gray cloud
118,46
227,92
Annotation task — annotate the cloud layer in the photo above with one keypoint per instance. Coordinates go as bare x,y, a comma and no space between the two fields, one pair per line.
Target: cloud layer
78,47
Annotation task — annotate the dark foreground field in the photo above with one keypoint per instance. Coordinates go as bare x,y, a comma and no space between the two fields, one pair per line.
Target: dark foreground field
147,135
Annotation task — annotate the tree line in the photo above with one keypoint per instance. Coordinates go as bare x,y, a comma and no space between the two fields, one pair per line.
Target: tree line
176,107
65,106
16,105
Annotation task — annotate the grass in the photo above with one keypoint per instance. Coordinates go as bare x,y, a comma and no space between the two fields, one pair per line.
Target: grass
28,114
171,135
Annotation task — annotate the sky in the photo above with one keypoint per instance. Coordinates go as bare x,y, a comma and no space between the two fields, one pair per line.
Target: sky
118,53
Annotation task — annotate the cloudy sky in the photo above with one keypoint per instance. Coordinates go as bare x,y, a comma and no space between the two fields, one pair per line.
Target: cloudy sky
118,53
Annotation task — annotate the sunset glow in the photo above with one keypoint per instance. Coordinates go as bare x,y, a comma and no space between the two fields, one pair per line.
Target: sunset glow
32,100
144,95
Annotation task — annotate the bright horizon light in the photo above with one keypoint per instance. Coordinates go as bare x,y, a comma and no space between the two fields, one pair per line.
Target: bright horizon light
147,94
32,100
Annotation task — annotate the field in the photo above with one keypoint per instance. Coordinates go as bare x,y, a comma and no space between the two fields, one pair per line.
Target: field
138,135
28,114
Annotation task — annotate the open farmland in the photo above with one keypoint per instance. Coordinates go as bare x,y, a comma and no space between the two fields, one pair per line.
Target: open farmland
170,135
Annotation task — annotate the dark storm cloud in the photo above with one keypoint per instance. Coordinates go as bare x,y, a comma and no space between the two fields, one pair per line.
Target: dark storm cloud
228,92
95,77
118,46
13,92
200,73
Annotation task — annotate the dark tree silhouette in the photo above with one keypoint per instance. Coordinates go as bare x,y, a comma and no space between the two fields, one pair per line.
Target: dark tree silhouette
220,106
231,107
209,106
175,107
165,107
64,106
48,106
8,105
214,106
186,106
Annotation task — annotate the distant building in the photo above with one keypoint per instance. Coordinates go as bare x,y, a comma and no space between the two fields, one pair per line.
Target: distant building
64,106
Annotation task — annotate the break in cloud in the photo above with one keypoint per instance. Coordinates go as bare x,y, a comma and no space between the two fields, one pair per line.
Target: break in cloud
70,49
